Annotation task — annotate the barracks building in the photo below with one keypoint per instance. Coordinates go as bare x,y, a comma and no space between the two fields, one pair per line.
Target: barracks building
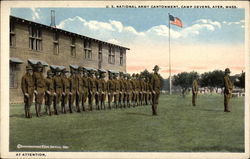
31,42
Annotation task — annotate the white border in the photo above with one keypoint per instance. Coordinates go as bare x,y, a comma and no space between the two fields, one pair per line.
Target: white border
5,11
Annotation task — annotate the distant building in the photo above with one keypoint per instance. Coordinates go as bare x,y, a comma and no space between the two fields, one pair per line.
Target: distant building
33,41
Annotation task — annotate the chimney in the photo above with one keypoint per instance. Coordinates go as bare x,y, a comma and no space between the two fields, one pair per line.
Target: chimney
53,19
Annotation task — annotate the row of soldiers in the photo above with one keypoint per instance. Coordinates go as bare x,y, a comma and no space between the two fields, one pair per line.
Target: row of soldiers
84,85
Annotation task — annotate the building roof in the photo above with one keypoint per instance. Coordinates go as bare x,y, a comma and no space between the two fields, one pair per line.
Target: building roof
64,31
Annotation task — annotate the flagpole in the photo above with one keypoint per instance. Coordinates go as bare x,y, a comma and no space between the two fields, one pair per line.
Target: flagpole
170,80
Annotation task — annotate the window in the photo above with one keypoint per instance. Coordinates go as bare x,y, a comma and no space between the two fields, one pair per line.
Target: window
87,49
13,81
121,57
56,43
12,34
73,47
35,38
111,55
100,52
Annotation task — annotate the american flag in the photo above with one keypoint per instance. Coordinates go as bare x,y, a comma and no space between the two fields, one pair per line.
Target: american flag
175,21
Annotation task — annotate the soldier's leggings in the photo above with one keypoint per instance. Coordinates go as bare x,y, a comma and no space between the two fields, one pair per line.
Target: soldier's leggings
110,99
84,99
128,98
116,96
146,98
27,104
150,97
64,102
120,96
78,100
91,98
102,100
124,99
97,100
48,102
140,98
194,96
155,99
71,101
226,101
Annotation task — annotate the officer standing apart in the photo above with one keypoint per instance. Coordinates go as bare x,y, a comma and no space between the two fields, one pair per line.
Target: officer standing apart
228,88
39,82
195,90
27,86
156,85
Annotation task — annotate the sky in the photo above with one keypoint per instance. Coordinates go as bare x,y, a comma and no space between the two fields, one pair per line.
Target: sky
209,39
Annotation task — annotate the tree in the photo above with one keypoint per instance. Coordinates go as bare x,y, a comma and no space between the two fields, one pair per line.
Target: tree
184,80
212,79
240,81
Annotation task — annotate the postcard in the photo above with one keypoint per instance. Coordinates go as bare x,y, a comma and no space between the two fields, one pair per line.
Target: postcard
125,79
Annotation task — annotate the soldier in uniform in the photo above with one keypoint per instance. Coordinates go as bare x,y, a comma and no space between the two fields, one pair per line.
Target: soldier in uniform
150,89
195,90
156,86
102,88
133,86
39,82
117,90
125,89
65,90
85,88
110,89
91,88
138,89
146,91
58,86
129,90
121,89
97,94
49,91
72,88
27,86
79,93
228,88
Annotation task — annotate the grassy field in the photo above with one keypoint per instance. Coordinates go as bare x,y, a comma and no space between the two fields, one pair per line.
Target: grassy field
179,127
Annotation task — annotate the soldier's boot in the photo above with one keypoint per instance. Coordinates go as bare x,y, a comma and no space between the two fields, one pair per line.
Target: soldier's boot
70,109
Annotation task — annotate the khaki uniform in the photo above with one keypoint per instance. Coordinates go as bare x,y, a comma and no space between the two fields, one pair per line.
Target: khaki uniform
27,86
58,86
102,92
65,90
49,93
79,93
92,91
116,92
121,91
85,91
133,86
150,89
125,90
228,88
110,90
156,86
73,89
146,92
128,92
137,84
39,82
195,90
